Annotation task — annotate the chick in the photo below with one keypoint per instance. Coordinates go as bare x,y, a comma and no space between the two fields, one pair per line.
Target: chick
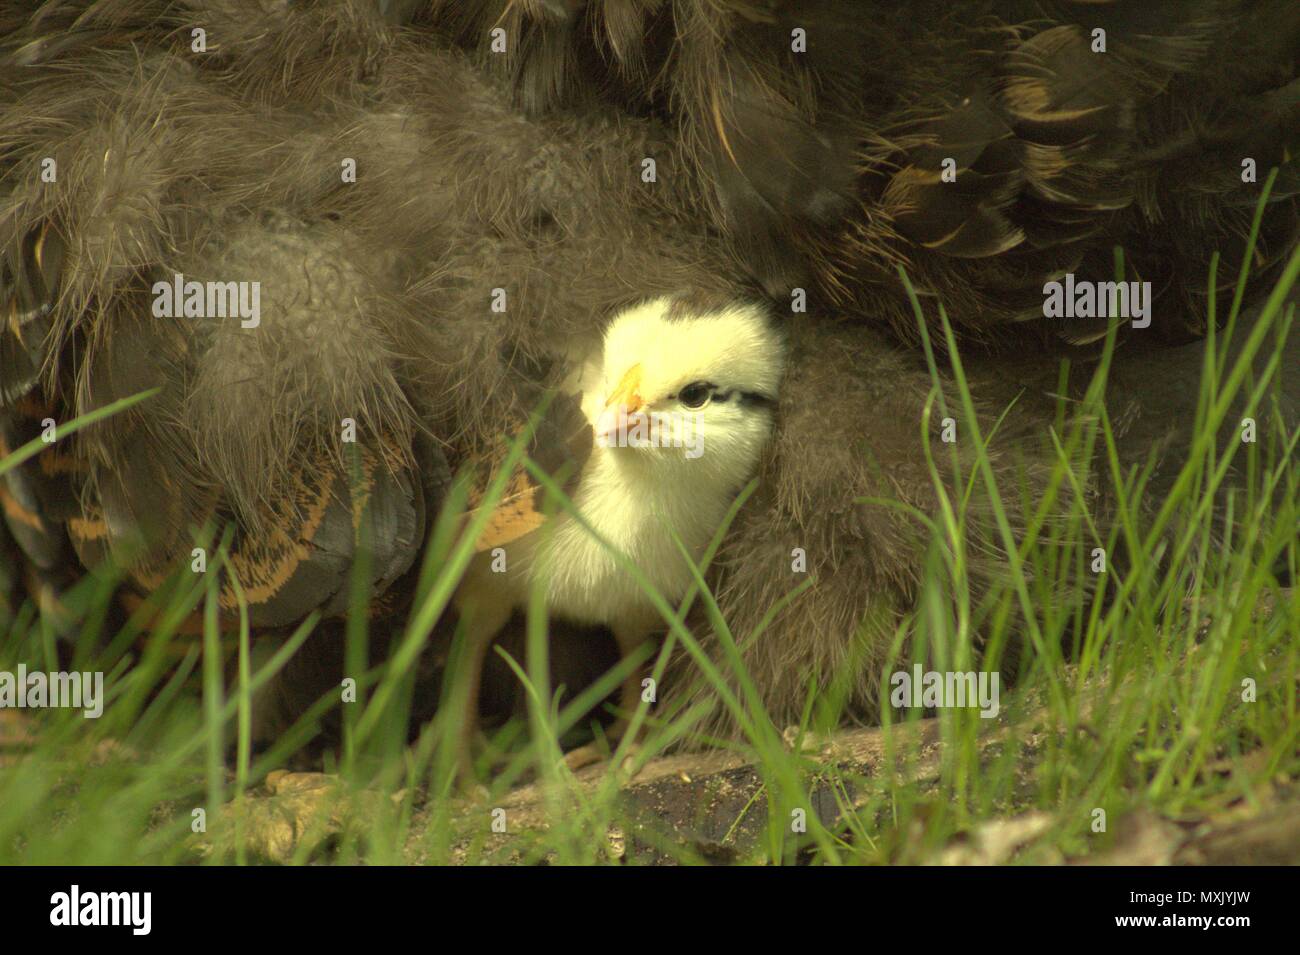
680,398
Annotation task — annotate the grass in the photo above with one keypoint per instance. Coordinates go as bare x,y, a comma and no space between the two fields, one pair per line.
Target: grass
1129,693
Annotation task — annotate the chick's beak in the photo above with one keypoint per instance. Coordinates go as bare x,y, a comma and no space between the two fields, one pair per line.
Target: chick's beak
623,404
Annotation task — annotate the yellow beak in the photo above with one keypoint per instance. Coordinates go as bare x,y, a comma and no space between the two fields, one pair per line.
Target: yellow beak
623,406
627,394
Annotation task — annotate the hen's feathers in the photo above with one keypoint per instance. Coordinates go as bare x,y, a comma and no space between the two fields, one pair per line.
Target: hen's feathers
377,290
820,169
818,135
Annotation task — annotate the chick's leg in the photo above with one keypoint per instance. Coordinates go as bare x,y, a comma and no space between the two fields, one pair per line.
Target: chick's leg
629,640
482,619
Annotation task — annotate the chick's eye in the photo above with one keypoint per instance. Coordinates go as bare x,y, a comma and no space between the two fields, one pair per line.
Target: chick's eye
695,395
